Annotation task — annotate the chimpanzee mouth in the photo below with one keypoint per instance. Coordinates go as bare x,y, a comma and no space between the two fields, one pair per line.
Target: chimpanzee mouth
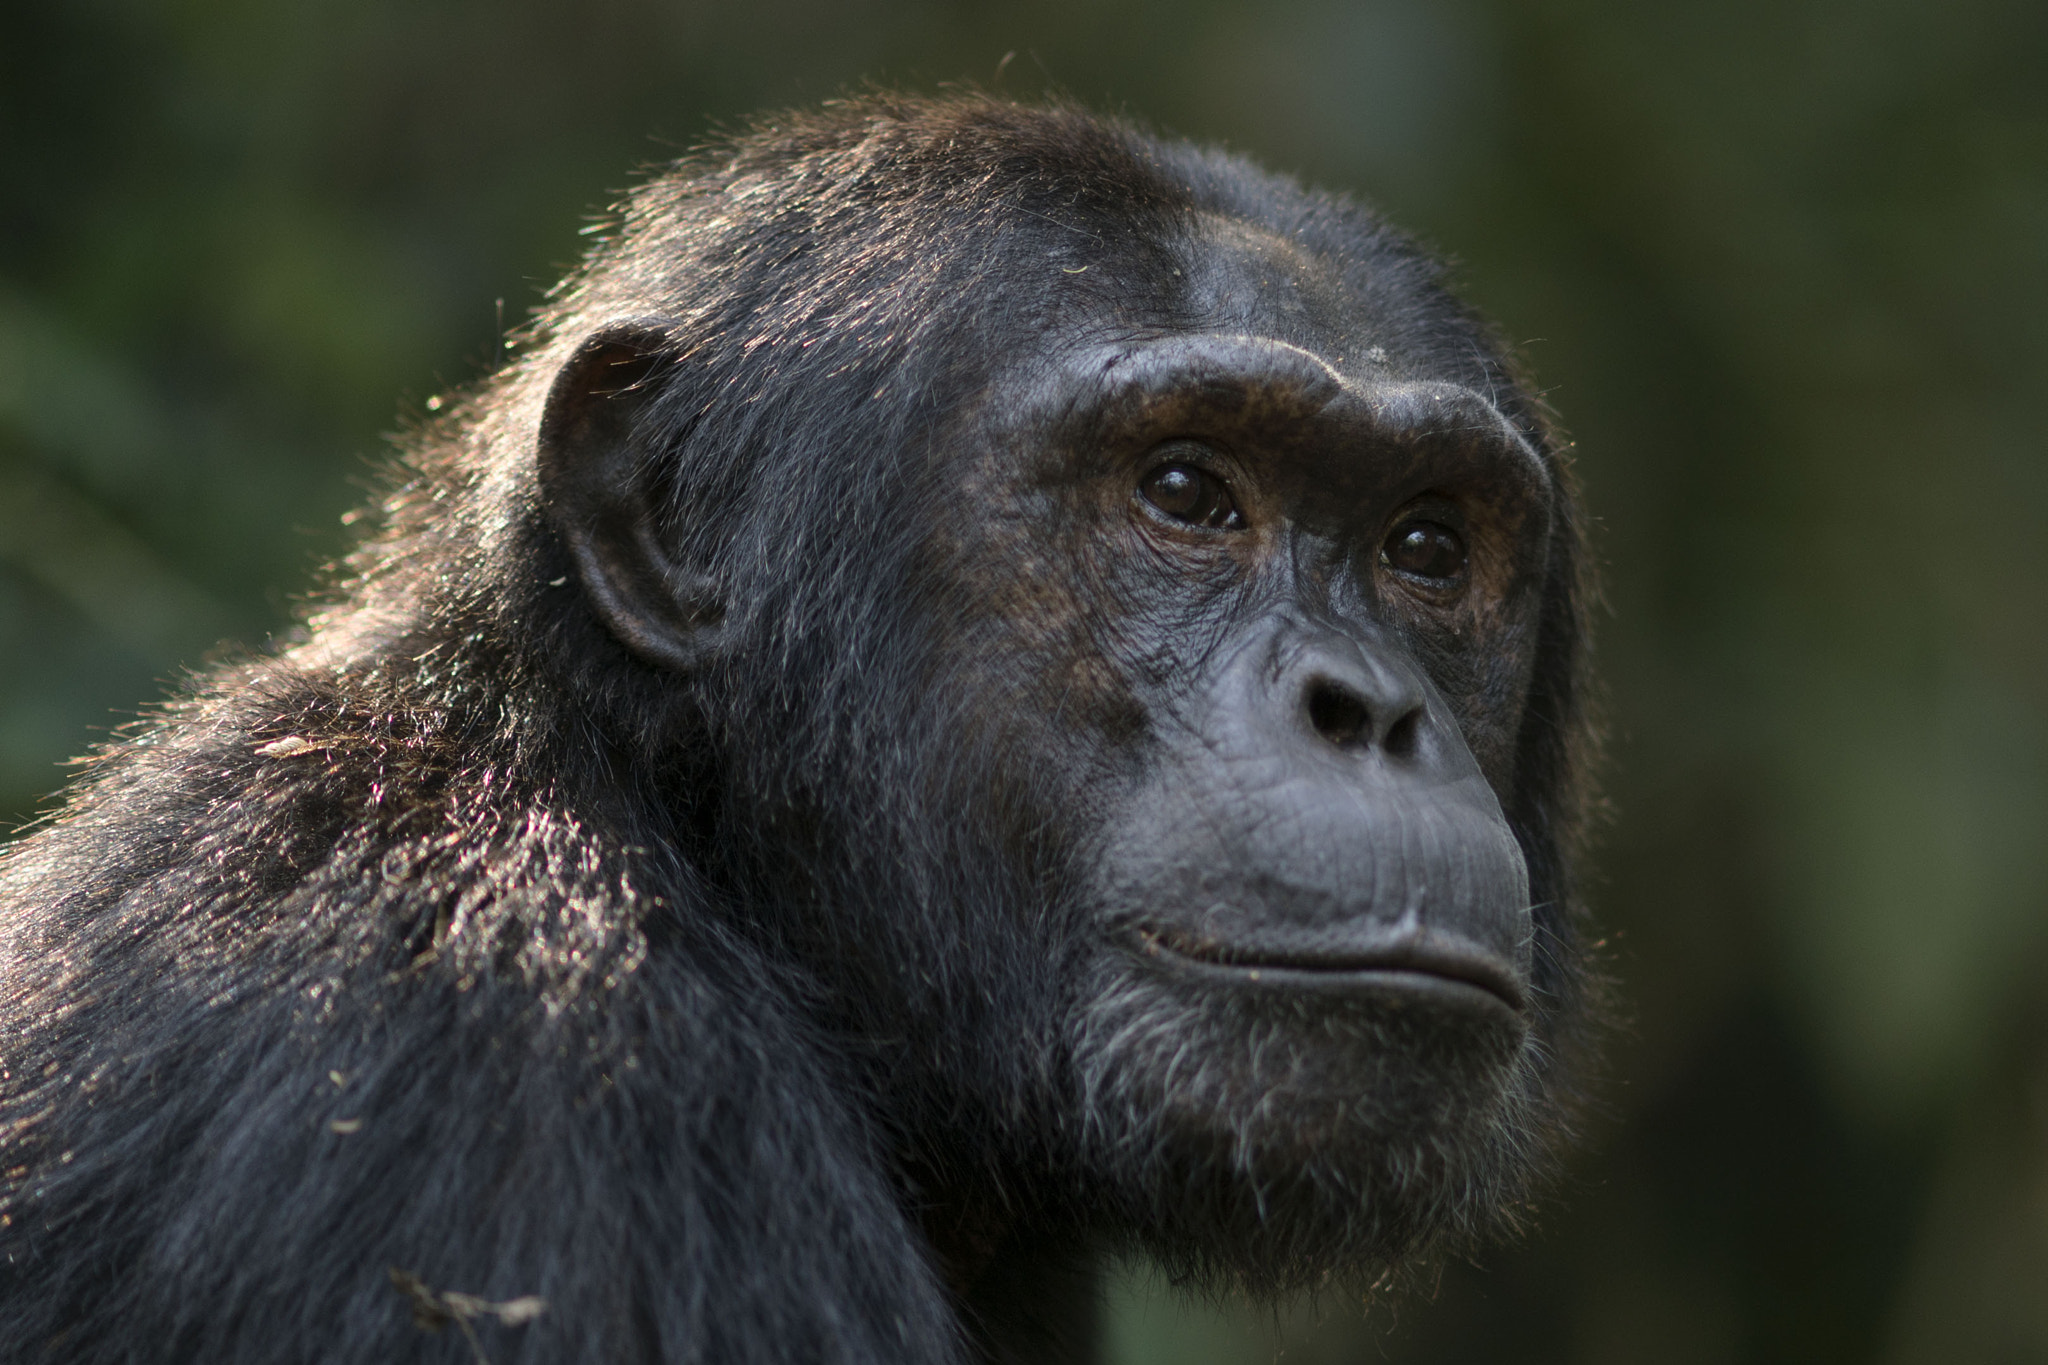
1446,967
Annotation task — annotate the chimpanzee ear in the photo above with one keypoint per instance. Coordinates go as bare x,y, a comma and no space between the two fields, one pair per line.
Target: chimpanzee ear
604,483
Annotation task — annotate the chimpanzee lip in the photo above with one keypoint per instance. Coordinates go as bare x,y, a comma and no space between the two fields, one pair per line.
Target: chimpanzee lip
1405,961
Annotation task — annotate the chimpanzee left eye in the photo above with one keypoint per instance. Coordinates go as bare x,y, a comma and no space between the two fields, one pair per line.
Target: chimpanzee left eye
1425,549
1193,495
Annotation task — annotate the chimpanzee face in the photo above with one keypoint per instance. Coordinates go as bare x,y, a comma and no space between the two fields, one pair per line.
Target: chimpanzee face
1271,589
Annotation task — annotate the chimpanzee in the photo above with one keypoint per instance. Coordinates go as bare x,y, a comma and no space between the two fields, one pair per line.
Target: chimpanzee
986,690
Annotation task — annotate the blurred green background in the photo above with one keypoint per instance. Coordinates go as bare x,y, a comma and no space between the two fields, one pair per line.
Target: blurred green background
1782,266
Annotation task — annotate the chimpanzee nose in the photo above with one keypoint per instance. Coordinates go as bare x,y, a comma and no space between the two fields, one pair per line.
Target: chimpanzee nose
1356,702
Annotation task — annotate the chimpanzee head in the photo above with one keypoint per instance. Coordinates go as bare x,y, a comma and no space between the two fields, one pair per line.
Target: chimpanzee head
1111,620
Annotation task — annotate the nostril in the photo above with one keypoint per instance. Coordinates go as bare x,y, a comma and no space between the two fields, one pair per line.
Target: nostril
1403,736
1338,714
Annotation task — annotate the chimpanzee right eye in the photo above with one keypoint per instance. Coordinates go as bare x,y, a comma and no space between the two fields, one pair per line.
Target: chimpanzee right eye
1192,495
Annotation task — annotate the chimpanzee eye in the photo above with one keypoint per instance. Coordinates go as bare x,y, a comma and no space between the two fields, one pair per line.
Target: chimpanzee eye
1191,494
1425,549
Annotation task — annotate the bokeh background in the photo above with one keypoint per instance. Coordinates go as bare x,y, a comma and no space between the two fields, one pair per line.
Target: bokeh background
1781,264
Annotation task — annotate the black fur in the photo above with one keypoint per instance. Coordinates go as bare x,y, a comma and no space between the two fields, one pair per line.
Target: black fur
732,1002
